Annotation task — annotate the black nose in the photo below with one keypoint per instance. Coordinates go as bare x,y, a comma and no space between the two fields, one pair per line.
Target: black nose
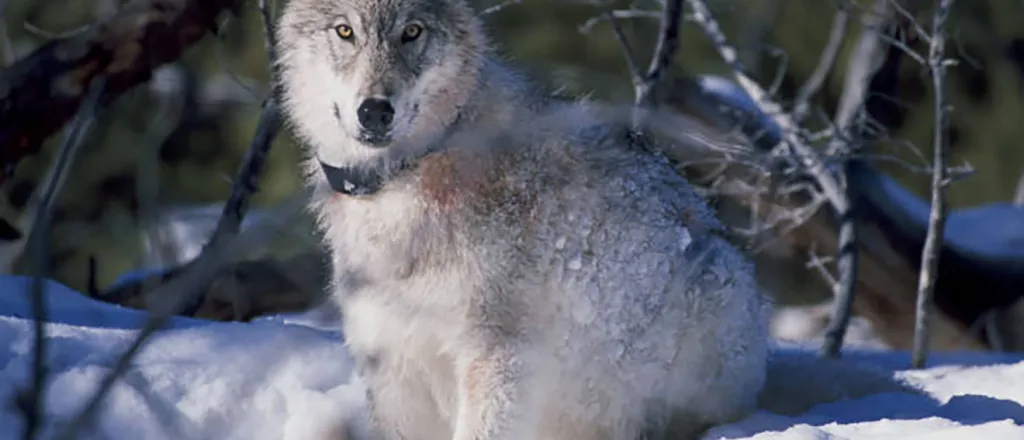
376,114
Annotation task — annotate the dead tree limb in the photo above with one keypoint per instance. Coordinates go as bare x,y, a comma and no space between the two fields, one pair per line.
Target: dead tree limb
39,245
186,289
885,279
664,52
866,61
937,218
41,92
810,162
891,233
828,58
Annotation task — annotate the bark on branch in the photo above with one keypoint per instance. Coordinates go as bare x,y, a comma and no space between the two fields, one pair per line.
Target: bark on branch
812,164
43,91
939,209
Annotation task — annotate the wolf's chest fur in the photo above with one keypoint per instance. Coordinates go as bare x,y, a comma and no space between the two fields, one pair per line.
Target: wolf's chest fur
424,219
416,247
408,264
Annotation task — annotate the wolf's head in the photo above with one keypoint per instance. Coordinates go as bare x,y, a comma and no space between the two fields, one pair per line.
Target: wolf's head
368,82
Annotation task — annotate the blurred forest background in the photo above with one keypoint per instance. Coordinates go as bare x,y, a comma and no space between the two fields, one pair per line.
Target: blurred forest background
177,140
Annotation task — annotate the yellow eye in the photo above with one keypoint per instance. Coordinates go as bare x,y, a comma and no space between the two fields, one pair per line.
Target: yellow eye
344,31
411,32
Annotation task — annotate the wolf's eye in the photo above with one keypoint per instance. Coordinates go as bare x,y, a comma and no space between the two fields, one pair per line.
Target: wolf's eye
411,32
344,31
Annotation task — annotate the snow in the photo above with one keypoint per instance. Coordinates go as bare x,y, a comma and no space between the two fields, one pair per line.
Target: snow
992,231
966,396
183,231
275,378
289,377
808,323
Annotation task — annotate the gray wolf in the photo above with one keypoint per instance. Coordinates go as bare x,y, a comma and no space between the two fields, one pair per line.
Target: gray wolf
508,265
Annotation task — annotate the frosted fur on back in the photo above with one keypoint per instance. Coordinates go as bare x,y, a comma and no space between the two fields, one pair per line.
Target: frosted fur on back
532,274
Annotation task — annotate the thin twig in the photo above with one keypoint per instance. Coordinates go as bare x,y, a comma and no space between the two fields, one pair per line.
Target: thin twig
627,51
499,7
818,263
612,15
937,217
825,63
44,34
247,178
664,52
911,21
756,32
905,47
38,244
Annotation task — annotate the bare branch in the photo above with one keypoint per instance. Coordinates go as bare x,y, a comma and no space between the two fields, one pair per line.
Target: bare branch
868,56
612,15
755,32
42,91
791,133
867,59
937,218
183,290
780,71
910,21
905,47
812,164
38,244
44,34
634,72
179,293
818,263
824,67
664,51
498,7
247,179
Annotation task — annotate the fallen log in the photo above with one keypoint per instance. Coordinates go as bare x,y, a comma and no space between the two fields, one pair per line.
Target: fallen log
239,291
42,92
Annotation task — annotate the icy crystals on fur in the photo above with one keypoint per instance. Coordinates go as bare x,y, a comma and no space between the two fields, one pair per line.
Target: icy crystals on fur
535,275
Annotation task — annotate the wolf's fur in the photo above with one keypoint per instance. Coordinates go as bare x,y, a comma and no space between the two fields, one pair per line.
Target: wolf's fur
528,273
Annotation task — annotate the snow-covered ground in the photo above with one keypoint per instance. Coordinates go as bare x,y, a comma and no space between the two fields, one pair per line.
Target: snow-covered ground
288,377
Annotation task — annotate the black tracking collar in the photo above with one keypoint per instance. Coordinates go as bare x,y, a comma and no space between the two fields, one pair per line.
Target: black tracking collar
354,181
364,181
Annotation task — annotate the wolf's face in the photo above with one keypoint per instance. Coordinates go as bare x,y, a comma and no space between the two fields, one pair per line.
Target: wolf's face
370,80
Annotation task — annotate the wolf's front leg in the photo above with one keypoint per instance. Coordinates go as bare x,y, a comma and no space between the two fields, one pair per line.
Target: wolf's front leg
493,397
